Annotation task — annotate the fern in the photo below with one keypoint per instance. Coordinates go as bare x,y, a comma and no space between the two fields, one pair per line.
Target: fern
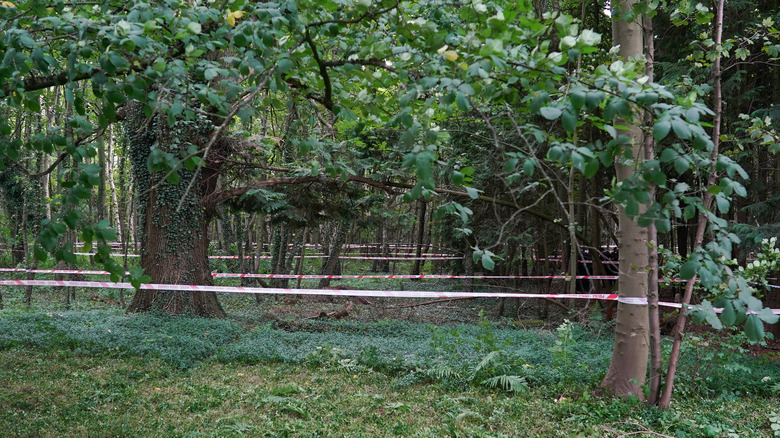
514,384
487,360
442,372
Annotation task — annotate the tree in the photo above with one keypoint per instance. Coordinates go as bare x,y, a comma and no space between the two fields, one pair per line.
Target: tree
628,367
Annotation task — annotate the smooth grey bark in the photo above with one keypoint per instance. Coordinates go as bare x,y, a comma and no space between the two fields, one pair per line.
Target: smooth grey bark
628,368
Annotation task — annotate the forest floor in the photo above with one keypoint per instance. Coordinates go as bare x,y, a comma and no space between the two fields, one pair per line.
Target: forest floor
291,365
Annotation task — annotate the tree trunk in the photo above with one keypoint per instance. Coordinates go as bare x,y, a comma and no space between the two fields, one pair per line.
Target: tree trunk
628,368
420,237
173,222
336,242
654,323
679,329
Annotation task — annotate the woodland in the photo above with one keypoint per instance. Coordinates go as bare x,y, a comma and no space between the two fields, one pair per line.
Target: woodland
531,138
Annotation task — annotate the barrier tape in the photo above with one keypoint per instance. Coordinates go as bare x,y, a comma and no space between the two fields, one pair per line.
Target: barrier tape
368,276
290,291
336,277
307,256
334,292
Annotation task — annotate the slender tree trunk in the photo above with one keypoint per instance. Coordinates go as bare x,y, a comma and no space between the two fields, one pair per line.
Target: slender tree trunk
420,236
572,234
628,368
679,329
101,190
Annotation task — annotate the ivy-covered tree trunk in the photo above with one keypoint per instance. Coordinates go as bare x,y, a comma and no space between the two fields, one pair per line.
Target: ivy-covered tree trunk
628,368
173,221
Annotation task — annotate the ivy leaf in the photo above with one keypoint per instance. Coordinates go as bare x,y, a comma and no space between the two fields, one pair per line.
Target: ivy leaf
472,192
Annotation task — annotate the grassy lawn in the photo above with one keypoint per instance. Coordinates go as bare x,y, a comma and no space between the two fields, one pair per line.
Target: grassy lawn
102,373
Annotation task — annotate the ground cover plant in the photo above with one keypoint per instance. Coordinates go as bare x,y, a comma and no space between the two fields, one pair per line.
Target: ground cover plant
104,373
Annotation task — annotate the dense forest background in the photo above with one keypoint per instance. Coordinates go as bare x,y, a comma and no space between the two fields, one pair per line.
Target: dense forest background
501,132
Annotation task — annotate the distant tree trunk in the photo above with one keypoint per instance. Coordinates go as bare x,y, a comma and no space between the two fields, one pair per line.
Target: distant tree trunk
173,219
420,237
628,368
335,244
101,190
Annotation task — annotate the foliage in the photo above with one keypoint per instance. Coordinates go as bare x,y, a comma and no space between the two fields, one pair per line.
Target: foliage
181,341
737,296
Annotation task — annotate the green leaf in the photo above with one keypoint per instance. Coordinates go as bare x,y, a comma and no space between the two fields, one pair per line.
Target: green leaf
194,27
729,314
663,225
472,192
173,178
706,312
723,203
284,65
754,328
661,130
550,112
681,164
555,153
689,269
569,121
40,254
681,128
768,316
591,168
529,167
487,261
577,98
593,100
463,102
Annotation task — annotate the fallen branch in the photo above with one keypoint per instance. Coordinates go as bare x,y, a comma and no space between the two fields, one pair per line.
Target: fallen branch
334,315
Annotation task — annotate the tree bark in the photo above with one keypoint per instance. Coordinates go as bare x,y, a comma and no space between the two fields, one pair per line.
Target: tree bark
420,237
656,361
628,368
173,222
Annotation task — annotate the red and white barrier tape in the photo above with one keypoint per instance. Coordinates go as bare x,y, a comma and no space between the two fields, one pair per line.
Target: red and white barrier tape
335,292
336,277
308,257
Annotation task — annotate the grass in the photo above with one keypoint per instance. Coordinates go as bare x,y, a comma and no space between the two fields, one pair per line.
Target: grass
102,373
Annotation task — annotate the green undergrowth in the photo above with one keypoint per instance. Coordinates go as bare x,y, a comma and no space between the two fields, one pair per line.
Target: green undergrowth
78,372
